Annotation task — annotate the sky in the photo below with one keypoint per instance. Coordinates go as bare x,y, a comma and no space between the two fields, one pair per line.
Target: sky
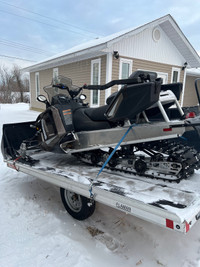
35,30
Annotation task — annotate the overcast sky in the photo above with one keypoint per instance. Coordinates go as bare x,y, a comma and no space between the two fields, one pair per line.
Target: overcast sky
35,30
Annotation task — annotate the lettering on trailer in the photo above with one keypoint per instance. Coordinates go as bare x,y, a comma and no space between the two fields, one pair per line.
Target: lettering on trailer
123,207
197,216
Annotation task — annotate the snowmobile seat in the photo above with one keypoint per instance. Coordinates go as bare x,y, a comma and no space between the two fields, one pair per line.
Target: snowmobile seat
90,119
97,114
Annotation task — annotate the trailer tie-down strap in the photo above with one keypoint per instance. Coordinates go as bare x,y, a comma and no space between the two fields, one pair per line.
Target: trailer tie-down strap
108,159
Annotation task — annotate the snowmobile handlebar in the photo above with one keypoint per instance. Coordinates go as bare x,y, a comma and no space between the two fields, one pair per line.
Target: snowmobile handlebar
60,86
112,83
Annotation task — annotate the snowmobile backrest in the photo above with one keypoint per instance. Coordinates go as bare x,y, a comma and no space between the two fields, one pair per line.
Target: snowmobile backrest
133,99
110,98
144,75
139,76
176,88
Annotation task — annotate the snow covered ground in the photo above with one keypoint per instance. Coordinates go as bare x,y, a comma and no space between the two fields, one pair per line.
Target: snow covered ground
36,231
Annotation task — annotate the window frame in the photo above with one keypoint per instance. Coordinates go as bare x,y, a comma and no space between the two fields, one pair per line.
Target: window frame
179,72
55,70
95,61
37,84
128,61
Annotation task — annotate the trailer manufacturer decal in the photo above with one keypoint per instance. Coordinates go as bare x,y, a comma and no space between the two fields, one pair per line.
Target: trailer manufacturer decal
123,207
197,216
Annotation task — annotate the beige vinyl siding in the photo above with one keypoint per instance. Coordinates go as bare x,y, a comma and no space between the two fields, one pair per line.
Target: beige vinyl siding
45,79
144,65
190,97
79,72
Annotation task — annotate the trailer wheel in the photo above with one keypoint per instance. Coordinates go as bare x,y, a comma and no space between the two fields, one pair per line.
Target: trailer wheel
79,207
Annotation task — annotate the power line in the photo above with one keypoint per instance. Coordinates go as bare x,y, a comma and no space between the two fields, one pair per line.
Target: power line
17,58
54,26
23,47
44,16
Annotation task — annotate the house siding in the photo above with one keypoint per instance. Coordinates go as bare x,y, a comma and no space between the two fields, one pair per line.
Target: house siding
145,65
79,72
190,97
143,46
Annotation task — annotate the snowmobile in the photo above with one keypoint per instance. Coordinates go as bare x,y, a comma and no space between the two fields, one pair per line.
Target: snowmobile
134,124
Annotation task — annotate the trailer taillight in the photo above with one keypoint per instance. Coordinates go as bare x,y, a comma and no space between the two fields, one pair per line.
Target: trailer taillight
169,224
190,115
167,129
187,227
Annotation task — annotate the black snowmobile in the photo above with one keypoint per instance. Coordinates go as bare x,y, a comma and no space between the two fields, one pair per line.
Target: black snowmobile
135,119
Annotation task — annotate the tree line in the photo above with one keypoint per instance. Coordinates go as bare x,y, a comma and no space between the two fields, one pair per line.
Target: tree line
14,86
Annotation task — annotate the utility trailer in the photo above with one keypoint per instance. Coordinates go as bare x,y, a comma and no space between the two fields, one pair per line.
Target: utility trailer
172,205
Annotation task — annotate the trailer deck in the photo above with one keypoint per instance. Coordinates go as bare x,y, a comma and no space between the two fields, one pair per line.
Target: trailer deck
171,205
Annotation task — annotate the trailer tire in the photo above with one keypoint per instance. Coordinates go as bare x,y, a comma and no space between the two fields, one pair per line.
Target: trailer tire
79,207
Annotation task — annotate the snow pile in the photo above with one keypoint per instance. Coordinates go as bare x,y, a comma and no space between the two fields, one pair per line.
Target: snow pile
36,230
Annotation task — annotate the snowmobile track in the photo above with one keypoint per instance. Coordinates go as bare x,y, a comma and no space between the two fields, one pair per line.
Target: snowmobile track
169,153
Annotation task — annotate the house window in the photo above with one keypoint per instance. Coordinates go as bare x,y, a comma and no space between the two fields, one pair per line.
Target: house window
125,68
37,84
55,74
164,77
95,80
175,75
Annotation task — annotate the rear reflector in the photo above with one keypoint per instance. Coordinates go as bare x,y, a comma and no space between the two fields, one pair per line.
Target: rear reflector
190,115
187,227
169,223
167,129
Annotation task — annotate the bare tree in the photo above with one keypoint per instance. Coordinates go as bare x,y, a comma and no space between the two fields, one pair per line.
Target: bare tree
13,86
5,85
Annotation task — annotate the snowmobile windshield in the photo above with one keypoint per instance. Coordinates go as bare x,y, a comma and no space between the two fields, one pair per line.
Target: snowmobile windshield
64,82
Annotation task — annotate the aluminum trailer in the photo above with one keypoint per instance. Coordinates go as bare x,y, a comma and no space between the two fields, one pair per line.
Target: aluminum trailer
170,205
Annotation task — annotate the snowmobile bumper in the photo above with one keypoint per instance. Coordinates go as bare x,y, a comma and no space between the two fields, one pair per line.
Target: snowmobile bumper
13,135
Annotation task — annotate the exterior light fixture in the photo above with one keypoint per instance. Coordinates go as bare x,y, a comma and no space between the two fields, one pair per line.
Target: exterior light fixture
184,65
116,54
